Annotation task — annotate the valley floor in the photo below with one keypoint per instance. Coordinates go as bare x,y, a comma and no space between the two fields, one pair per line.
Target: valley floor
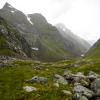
13,76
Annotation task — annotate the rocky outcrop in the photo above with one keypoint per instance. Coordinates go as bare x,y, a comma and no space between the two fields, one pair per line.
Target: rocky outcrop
84,87
80,90
12,43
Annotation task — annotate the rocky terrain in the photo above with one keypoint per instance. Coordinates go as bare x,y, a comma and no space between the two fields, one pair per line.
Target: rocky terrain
29,80
12,43
39,61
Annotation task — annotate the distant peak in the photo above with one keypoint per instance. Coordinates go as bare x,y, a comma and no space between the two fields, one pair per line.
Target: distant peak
7,5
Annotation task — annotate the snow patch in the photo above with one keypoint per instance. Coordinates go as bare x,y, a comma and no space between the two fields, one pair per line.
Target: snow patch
12,11
36,49
29,20
82,55
64,29
10,6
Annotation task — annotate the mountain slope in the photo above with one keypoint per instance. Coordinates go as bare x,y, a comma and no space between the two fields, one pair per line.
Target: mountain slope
94,51
12,43
47,42
79,45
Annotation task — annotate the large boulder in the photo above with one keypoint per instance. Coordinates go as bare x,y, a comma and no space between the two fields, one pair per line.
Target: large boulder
92,76
80,90
95,86
68,75
59,79
78,77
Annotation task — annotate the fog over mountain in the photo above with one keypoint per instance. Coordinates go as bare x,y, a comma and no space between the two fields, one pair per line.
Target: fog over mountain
48,42
81,16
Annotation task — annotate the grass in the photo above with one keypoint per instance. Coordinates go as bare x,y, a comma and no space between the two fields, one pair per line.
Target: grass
12,79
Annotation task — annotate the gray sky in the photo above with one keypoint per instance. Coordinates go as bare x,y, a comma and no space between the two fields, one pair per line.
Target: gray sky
81,16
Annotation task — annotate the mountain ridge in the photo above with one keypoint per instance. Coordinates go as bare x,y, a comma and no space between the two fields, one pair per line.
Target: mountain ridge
42,35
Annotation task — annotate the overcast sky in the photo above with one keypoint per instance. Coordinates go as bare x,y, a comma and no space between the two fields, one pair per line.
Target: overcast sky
81,16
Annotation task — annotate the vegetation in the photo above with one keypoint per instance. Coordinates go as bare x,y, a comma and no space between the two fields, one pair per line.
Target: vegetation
12,79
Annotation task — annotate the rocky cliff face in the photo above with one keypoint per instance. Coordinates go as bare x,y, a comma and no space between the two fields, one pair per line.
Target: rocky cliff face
47,42
12,43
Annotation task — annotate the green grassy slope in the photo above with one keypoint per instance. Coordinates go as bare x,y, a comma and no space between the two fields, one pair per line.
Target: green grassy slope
94,51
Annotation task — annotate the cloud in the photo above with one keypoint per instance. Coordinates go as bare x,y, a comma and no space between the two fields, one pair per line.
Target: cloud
80,16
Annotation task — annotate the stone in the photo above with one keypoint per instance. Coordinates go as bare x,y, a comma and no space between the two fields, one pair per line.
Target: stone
92,76
79,74
56,85
29,88
68,93
81,90
37,79
95,86
79,78
83,98
68,74
84,82
59,79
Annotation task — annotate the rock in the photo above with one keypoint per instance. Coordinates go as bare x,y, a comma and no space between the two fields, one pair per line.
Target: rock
68,93
80,90
56,85
83,98
84,82
92,76
78,77
29,88
95,86
60,79
79,74
68,74
37,79
74,78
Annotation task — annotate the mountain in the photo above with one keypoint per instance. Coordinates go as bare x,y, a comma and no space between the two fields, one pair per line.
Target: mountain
79,45
47,42
12,43
94,51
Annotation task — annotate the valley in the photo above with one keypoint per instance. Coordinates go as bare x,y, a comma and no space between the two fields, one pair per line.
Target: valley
39,61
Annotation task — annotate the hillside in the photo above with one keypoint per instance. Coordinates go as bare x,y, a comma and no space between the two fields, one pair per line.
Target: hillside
94,51
79,45
47,42
12,43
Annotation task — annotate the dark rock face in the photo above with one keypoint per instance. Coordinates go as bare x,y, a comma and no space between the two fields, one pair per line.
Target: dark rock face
12,43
